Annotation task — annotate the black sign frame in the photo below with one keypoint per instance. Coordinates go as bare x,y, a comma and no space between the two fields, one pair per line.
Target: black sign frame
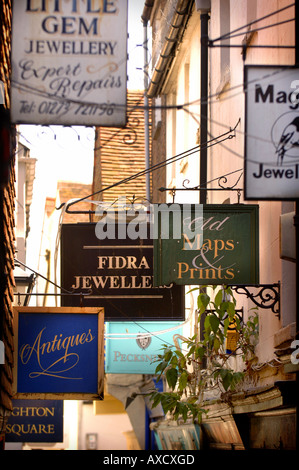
283,174
116,274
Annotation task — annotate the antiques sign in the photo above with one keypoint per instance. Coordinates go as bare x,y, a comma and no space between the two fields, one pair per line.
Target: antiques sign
225,250
272,133
59,353
136,354
116,274
69,62
35,421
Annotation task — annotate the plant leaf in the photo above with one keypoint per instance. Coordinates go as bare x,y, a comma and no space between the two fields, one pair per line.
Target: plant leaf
218,298
226,325
183,380
214,323
227,380
202,302
171,377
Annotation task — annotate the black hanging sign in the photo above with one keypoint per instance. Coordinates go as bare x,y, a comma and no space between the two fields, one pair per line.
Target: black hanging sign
116,274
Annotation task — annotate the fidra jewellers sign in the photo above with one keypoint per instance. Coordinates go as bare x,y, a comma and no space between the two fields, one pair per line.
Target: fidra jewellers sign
116,273
59,353
224,249
272,133
69,62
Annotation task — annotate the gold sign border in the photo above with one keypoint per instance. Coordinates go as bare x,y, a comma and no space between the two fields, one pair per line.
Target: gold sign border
99,311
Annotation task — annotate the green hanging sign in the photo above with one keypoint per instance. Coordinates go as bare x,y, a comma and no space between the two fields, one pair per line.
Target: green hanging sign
220,246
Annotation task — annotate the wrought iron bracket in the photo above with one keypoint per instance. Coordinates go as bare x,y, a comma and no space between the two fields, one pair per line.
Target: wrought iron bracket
238,313
222,186
266,296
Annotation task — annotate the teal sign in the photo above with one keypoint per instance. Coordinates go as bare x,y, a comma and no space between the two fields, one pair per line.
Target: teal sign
223,250
132,348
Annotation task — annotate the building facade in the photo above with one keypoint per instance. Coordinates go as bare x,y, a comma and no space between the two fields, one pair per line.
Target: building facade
200,52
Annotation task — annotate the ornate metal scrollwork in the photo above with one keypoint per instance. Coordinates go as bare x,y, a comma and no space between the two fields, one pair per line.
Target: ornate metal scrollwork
86,137
221,180
267,297
238,312
130,137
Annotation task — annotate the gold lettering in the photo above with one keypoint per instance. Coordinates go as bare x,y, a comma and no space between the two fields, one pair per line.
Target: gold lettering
204,273
195,245
213,273
38,349
219,246
230,244
230,274
50,412
146,282
181,271
102,261
131,260
143,263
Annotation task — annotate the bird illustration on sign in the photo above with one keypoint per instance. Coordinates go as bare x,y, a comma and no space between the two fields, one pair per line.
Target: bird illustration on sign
285,138
289,139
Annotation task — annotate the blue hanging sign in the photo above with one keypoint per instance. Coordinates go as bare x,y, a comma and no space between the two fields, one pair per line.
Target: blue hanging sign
59,352
132,348
35,421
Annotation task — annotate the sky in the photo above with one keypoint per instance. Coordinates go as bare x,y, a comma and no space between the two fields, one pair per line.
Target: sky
66,154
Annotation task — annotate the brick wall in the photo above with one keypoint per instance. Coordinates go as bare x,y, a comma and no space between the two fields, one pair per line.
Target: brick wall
120,154
7,198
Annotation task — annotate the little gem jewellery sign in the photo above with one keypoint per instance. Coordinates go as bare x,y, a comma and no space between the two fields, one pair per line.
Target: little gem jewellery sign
69,62
59,352
224,249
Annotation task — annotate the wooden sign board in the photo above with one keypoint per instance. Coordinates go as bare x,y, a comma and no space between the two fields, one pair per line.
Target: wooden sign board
225,251
59,353
116,274
271,132
35,421
69,62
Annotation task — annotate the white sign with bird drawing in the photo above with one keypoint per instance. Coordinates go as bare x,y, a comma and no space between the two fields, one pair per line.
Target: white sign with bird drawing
271,133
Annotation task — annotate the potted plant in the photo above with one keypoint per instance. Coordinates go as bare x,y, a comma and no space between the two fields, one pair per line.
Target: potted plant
197,367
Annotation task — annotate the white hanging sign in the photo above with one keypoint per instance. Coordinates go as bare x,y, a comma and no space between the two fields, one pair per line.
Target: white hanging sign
69,62
272,133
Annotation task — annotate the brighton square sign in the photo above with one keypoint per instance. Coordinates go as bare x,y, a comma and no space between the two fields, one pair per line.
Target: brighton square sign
35,421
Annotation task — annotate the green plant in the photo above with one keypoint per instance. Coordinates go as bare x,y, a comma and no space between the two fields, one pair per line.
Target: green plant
198,366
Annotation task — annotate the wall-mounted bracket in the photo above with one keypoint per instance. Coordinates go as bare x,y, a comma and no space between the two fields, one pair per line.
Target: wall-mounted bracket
239,313
264,296
222,185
